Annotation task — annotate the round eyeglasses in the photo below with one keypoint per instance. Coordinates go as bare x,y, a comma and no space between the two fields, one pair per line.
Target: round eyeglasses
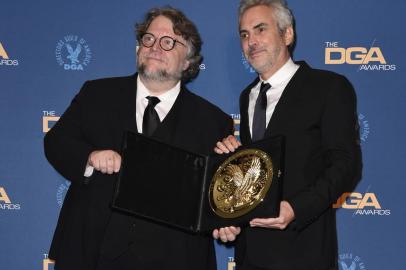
166,43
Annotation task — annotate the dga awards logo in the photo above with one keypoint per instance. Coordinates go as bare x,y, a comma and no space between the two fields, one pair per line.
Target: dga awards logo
348,261
367,59
49,118
363,127
5,59
6,203
61,192
73,53
363,204
47,264
236,119
247,64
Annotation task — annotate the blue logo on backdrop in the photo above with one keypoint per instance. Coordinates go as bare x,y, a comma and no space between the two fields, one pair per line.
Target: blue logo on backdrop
348,261
363,127
247,64
60,194
73,53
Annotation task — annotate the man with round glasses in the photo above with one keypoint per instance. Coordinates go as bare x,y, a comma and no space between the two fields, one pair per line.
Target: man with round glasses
84,146
166,43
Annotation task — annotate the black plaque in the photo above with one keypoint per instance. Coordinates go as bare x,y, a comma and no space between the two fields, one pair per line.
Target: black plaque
174,186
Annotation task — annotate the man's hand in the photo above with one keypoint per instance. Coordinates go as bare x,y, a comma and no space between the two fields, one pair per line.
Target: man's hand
227,145
227,233
286,215
105,161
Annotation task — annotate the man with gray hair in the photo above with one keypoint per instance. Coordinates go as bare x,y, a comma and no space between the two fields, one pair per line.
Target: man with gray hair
85,147
315,111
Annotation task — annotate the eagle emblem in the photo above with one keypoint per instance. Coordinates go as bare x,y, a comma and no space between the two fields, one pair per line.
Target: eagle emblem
240,183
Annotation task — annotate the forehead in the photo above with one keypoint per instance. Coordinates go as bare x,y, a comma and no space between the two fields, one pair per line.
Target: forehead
255,16
161,26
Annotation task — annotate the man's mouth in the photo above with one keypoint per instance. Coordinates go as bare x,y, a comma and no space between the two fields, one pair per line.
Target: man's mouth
255,53
155,58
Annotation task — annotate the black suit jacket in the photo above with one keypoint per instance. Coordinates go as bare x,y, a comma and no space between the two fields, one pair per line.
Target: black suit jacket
317,115
96,120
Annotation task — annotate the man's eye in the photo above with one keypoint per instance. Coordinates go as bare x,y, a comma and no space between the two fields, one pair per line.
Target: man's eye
148,39
243,35
168,42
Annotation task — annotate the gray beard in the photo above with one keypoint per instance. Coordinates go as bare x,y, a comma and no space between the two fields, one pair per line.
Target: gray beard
160,75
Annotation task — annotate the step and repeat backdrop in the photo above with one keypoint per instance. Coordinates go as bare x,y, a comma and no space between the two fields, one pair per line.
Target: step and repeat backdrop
48,49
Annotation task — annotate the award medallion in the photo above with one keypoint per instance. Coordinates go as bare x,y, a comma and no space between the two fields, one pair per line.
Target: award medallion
240,183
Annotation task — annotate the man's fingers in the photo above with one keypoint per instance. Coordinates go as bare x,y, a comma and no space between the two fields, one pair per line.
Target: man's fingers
105,161
234,142
264,222
103,165
95,163
215,234
235,230
110,165
223,235
217,150
117,163
229,234
228,144
226,234
221,148
275,223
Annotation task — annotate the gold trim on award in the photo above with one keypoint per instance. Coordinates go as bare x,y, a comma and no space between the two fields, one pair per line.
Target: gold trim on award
240,183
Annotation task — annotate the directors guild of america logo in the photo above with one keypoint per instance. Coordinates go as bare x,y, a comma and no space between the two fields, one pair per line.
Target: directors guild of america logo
73,53
348,261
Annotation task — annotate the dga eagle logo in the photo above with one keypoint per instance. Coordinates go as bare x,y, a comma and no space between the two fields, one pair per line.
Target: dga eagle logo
60,194
364,127
348,261
247,64
73,53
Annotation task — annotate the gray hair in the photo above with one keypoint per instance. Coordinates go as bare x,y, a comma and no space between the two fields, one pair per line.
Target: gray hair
281,12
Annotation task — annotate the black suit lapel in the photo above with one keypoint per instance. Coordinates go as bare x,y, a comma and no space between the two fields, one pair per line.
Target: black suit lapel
128,104
245,133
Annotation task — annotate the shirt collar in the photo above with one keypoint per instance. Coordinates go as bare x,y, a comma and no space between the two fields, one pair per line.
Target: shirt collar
168,96
284,73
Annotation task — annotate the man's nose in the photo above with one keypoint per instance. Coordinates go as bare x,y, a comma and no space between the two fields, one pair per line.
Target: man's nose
156,46
252,40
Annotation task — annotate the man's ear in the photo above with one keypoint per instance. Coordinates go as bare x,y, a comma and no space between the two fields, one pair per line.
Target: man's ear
186,65
289,36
